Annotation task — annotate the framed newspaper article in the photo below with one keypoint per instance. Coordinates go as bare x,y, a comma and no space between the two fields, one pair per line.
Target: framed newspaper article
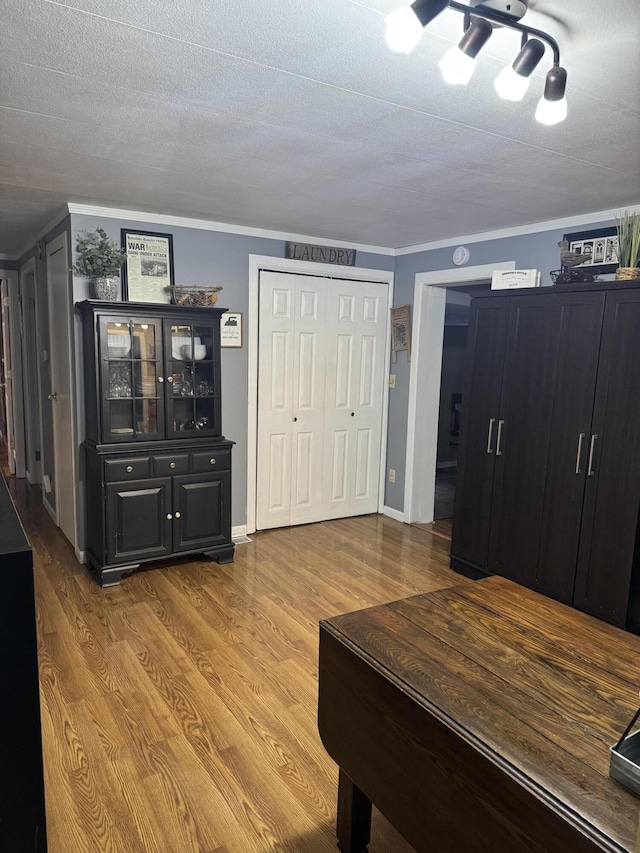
148,270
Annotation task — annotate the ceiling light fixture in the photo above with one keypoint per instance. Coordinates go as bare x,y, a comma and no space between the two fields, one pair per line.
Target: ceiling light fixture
513,81
457,64
552,106
406,25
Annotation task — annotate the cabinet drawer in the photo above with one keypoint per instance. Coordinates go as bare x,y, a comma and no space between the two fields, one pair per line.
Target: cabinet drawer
173,463
133,468
211,460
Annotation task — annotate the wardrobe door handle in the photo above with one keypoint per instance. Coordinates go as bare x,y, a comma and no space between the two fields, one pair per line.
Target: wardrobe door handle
491,423
499,436
579,452
590,469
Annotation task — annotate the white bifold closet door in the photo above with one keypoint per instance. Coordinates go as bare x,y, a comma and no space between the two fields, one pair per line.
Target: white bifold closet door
320,394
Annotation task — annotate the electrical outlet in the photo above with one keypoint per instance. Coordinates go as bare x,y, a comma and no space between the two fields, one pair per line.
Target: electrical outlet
392,475
392,380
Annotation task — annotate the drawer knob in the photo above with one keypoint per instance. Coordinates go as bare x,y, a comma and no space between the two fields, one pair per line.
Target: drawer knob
212,462
172,464
169,516
177,515
129,469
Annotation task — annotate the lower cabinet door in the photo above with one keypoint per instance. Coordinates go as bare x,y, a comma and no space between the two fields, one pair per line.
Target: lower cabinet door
202,510
139,520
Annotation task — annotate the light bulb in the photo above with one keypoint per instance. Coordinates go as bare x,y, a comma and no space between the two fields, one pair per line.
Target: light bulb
510,85
551,112
456,67
404,30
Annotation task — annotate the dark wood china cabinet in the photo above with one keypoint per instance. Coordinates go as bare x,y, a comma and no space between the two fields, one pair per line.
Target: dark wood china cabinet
157,467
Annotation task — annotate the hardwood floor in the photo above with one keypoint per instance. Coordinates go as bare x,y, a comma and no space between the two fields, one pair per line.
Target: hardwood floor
179,709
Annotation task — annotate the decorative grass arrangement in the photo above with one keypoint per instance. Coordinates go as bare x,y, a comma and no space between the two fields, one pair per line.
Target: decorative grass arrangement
628,227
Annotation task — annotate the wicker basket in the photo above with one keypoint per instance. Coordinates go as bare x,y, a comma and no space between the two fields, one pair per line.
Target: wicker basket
570,276
193,295
627,273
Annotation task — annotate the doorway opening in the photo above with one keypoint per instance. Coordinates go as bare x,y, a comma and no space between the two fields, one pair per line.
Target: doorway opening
430,299
456,324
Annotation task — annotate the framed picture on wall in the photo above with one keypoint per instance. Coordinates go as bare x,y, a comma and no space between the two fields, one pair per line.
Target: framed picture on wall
148,270
401,331
231,329
601,245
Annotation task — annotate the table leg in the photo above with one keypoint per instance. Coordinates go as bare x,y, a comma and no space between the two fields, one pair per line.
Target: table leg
354,817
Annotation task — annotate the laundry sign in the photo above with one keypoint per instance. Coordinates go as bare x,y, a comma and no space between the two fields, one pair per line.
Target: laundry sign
320,254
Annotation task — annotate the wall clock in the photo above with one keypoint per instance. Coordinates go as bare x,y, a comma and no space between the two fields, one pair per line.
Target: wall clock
461,256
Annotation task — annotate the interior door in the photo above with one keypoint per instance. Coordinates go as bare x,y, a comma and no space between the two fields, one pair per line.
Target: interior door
546,405
354,368
291,399
610,521
31,380
320,393
60,356
5,367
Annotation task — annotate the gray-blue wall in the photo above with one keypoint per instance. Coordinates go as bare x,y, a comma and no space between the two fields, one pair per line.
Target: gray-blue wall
210,257
529,251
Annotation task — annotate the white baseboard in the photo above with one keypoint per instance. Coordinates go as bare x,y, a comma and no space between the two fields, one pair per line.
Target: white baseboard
240,530
81,556
393,513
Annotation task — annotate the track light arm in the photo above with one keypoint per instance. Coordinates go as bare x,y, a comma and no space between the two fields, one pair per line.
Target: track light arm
505,21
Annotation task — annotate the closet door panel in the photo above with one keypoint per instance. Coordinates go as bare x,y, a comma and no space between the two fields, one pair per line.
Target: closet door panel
605,577
275,392
479,416
355,374
547,401
569,430
525,432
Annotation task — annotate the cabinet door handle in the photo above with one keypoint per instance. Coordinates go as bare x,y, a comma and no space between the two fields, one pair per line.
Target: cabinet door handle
177,515
169,516
172,464
590,468
160,378
169,379
579,452
491,423
498,437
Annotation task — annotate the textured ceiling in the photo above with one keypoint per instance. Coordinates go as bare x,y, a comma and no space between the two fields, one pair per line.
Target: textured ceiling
294,115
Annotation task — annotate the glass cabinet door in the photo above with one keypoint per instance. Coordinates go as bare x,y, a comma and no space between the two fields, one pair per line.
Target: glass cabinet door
193,396
132,380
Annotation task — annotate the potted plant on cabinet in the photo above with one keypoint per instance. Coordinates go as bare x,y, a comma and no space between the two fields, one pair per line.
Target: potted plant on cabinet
100,260
628,227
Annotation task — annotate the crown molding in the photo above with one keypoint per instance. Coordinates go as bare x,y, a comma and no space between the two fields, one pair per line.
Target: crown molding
516,231
224,227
